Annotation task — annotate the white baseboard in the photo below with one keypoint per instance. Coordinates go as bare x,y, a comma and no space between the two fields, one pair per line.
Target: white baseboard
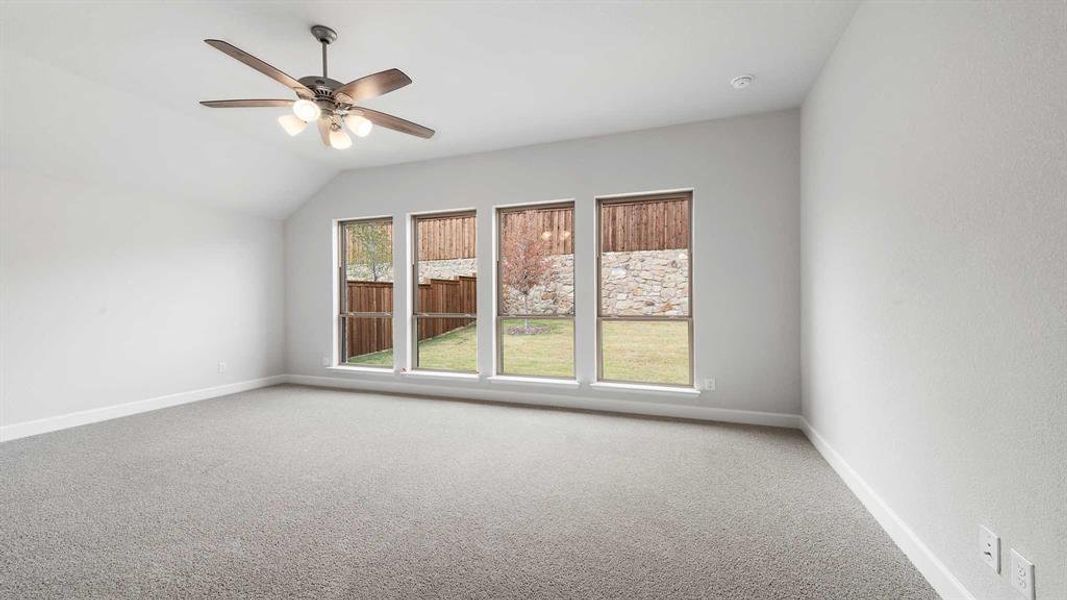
28,428
943,581
541,398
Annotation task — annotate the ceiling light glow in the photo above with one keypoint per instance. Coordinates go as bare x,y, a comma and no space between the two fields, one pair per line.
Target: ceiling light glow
339,139
292,124
307,110
358,124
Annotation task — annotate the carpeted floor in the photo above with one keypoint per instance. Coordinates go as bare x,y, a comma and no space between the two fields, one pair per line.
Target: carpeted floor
294,492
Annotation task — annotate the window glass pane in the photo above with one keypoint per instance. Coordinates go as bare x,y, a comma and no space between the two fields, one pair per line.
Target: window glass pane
367,263
446,264
537,261
537,347
446,344
368,253
645,351
644,260
367,341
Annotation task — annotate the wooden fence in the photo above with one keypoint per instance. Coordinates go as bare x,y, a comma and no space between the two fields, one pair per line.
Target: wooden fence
644,225
456,296
367,335
625,227
554,225
447,237
370,296
370,334
364,335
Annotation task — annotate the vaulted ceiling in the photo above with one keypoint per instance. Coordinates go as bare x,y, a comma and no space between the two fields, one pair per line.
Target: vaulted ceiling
108,92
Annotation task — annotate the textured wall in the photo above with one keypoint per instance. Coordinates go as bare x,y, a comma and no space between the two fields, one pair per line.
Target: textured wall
111,296
935,286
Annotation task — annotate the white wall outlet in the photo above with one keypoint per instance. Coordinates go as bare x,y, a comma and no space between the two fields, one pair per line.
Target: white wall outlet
709,384
1021,575
989,547
222,367
326,361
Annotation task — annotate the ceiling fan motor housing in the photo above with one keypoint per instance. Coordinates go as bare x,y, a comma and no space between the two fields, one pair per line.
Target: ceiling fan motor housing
322,86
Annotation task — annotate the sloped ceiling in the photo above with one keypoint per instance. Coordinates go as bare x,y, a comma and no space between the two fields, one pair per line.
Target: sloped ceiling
108,92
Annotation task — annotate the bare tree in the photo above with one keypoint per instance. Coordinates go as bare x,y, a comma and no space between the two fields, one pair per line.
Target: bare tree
523,266
370,245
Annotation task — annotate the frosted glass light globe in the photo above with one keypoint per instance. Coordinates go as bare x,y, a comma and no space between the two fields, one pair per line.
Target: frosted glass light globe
339,139
306,110
359,125
292,124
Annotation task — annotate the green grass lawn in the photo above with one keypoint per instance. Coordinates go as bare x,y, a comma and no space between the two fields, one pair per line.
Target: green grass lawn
456,350
644,351
546,354
452,351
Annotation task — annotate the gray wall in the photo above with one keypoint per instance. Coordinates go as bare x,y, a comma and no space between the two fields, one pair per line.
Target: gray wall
745,172
934,287
110,296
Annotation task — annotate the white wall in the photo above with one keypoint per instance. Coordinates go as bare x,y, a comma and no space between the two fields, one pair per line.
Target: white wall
109,297
934,228
745,173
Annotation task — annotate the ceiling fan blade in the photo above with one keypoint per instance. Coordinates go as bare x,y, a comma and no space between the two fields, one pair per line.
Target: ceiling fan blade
372,86
246,103
395,123
275,74
324,130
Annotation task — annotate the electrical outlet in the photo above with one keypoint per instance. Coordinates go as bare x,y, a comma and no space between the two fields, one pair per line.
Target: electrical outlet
222,367
1022,575
709,384
989,546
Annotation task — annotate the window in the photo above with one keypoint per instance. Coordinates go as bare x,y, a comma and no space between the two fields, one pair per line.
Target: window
445,283
366,289
644,297
535,291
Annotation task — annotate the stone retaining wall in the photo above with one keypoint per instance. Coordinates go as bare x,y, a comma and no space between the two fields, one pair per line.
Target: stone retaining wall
428,269
647,282
555,297
447,269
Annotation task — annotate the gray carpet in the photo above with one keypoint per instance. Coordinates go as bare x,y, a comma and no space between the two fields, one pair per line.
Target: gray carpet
294,492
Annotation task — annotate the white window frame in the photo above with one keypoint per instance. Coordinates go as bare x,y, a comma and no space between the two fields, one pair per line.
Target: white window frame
601,317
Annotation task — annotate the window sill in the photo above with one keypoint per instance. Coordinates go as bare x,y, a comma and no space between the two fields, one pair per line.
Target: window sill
513,379
441,375
355,369
645,388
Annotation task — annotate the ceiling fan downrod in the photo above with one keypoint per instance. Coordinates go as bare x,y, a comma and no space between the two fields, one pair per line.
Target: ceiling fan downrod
325,36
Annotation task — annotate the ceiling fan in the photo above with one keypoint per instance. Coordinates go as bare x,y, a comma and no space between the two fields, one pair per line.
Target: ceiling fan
328,101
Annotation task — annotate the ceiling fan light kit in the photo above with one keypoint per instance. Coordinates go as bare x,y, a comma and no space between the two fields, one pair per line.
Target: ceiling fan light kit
292,124
359,124
326,101
307,110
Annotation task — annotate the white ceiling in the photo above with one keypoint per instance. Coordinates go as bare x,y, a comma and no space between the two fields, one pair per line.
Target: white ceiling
123,80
